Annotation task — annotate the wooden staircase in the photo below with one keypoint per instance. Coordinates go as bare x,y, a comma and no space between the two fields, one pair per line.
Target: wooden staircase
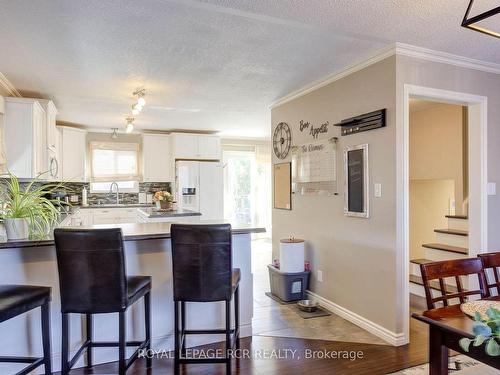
451,243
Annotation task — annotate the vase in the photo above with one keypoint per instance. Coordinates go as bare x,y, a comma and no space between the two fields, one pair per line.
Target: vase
163,205
17,228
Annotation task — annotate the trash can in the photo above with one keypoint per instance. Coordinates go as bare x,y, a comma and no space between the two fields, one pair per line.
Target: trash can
288,286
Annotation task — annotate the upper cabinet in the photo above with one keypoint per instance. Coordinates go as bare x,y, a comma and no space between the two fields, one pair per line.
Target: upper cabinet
196,146
73,150
156,158
25,137
53,141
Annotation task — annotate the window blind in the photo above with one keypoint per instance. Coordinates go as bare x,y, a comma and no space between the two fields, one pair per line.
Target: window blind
114,161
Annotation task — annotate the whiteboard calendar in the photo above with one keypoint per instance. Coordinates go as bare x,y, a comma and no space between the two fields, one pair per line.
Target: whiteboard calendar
314,167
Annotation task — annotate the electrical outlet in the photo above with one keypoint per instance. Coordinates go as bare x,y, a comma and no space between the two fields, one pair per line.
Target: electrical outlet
320,276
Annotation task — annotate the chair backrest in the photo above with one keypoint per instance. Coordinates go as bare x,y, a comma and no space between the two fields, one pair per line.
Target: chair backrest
91,264
201,262
491,263
452,269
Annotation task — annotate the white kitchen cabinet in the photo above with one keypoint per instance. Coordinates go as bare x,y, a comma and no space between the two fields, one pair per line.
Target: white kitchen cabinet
53,142
113,215
196,146
157,163
25,137
209,147
73,151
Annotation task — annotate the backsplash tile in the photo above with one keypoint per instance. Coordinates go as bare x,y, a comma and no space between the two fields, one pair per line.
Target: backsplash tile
75,188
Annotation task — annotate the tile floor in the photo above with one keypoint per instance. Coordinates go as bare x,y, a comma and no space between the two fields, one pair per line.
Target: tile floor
274,319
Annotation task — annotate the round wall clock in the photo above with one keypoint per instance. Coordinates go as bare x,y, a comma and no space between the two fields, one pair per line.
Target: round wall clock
282,140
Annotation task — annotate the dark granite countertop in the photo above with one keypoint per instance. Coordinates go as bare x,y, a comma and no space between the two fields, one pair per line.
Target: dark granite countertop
131,232
152,213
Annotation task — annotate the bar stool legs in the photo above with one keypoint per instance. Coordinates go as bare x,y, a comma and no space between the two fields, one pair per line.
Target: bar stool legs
65,344
147,313
89,328
232,336
46,337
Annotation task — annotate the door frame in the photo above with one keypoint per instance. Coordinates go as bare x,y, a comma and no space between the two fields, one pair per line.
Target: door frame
478,181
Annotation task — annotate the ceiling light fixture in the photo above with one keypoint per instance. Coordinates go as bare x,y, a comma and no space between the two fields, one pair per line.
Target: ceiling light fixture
472,23
114,135
130,125
141,102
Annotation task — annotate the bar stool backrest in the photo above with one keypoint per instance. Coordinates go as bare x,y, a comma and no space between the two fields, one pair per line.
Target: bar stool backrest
202,262
91,264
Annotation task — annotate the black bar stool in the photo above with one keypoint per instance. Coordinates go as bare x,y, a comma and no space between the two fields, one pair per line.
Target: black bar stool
19,299
93,280
203,272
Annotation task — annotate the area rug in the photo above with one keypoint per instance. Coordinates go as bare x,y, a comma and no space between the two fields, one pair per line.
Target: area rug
459,365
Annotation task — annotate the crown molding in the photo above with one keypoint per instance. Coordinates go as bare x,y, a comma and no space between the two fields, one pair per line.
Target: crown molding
8,87
400,49
446,58
380,55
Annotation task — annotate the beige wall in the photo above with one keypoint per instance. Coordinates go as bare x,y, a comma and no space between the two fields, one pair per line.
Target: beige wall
357,256
436,147
428,207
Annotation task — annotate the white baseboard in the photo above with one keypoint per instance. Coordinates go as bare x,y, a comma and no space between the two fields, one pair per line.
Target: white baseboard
396,339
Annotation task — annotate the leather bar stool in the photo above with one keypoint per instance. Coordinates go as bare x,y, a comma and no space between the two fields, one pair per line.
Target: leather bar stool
93,280
202,268
19,299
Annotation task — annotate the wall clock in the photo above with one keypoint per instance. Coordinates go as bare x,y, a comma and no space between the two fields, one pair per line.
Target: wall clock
282,140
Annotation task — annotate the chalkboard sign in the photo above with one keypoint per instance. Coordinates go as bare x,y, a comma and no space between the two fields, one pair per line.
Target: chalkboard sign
356,181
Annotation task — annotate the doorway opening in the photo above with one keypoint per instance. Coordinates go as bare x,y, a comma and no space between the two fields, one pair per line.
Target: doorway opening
441,187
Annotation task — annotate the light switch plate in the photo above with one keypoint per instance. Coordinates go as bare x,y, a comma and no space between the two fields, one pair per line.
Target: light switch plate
491,188
377,190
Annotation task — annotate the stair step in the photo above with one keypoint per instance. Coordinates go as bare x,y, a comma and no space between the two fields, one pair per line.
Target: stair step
421,261
463,217
457,232
441,246
434,284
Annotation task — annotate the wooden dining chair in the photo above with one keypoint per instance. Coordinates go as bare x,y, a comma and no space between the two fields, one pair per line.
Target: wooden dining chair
491,263
452,269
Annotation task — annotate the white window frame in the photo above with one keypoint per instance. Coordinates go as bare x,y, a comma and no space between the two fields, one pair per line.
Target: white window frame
119,179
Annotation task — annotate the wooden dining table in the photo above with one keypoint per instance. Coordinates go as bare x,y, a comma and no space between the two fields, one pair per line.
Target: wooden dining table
447,325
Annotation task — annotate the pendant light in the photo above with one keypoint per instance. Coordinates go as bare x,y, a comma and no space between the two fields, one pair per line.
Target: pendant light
472,23
130,125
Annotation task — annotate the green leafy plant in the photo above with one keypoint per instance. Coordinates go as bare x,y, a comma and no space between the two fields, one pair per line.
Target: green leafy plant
487,332
31,203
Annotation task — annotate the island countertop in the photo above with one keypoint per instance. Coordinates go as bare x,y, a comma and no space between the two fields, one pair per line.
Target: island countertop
132,232
151,212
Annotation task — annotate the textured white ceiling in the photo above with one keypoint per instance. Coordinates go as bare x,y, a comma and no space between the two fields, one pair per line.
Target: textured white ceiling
211,64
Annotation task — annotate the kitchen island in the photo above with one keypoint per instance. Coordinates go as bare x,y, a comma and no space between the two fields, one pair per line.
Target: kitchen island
148,252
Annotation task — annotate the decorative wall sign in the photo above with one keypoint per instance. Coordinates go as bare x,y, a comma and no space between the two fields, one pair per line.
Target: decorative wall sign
283,186
314,167
282,140
362,123
314,131
356,184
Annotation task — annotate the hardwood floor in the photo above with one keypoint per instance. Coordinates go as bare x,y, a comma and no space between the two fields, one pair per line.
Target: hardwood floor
377,359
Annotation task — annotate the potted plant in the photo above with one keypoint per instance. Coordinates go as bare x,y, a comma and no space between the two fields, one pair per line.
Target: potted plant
27,212
163,200
487,332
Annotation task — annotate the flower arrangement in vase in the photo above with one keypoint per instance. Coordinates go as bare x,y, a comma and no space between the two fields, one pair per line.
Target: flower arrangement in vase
163,200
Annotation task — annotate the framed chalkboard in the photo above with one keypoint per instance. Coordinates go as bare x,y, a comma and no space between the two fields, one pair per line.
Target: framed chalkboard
356,184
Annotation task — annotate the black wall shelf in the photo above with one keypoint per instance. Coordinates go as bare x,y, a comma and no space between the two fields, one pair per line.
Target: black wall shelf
362,123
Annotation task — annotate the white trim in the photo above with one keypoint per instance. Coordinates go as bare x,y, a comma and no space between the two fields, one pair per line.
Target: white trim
7,86
390,337
344,72
401,49
446,58
478,208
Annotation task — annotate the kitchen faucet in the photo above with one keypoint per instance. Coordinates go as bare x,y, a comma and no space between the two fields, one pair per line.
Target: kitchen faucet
117,191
